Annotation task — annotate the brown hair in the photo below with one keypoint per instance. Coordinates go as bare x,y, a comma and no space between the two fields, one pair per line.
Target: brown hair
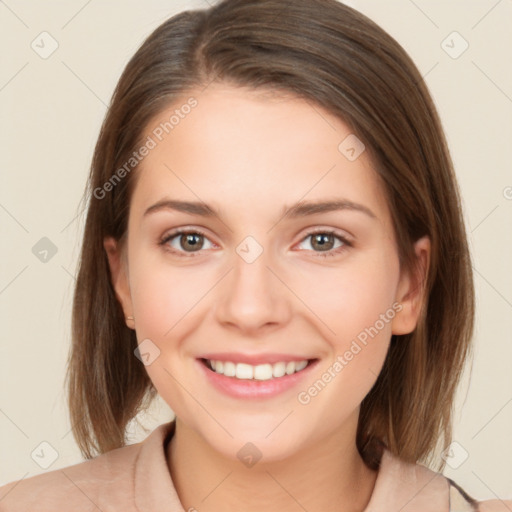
338,59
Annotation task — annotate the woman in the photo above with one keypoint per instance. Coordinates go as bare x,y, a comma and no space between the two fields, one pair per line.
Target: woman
275,245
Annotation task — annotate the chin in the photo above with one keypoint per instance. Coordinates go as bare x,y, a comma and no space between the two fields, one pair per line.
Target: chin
267,440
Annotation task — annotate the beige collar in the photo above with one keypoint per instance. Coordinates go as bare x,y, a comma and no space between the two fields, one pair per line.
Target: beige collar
399,486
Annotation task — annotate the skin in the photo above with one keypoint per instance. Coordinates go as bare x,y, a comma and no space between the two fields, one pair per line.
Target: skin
248,155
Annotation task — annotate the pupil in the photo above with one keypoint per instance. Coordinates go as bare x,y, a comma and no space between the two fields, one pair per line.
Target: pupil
320,239
190,240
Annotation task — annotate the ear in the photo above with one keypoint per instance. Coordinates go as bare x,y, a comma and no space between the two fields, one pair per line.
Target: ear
411,290
119,275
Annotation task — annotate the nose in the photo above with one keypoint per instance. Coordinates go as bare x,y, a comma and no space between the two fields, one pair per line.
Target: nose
253,296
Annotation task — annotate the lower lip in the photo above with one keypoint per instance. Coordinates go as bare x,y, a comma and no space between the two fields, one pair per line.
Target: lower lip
252,388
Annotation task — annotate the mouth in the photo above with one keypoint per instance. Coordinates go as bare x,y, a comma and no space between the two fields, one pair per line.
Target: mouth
259,372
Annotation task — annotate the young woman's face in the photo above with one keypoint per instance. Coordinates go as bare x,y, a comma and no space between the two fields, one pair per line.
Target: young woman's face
253,281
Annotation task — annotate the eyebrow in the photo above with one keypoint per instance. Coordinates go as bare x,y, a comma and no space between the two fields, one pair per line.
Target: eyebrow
297,210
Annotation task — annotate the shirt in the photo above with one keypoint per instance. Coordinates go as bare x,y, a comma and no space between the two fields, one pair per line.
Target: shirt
136,478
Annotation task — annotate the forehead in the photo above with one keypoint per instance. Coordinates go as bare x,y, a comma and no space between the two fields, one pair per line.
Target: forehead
252,151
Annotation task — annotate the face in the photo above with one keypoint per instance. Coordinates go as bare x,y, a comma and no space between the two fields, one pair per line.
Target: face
257,281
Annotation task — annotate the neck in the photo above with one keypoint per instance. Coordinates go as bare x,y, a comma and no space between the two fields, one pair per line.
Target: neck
330,475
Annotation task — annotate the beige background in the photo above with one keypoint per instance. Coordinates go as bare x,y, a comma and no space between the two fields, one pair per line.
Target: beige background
51,113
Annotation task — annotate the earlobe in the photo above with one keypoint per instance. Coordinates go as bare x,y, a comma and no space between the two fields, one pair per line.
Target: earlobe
119,277
411,290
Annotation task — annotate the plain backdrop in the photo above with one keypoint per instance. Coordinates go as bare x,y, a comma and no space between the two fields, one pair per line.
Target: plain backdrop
52,107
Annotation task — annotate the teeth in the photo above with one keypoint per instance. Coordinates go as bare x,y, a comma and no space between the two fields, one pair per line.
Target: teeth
259,372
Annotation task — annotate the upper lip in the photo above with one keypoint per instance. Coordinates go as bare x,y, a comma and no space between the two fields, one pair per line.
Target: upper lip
254,359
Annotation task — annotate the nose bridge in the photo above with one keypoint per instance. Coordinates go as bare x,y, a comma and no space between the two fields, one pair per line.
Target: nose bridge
252,295
252,262
251,277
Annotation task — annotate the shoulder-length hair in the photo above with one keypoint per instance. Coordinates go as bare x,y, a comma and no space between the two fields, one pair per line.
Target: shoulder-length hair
334,57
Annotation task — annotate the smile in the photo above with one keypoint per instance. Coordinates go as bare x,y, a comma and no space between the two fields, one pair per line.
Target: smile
245,371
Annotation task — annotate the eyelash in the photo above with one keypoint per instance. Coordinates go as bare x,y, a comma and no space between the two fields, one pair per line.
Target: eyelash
184,231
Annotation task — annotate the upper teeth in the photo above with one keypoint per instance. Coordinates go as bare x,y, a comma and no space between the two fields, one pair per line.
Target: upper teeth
259,372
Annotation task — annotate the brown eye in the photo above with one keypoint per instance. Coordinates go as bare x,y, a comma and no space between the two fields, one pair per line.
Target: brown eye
181,242
193,241
324,243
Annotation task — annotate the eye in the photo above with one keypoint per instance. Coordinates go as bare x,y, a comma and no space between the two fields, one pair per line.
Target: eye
324,240
184,242
188,242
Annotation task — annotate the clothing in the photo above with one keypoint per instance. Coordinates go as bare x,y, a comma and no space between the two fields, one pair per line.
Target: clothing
136,478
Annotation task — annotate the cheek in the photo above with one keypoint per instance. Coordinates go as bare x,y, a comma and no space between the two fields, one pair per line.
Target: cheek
167,304
164,295
355,310
344,299
352,297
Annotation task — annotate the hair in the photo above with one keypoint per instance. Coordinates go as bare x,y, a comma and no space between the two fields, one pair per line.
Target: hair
336,58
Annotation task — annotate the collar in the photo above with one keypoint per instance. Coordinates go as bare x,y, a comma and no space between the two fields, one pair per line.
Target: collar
408,487
399,485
